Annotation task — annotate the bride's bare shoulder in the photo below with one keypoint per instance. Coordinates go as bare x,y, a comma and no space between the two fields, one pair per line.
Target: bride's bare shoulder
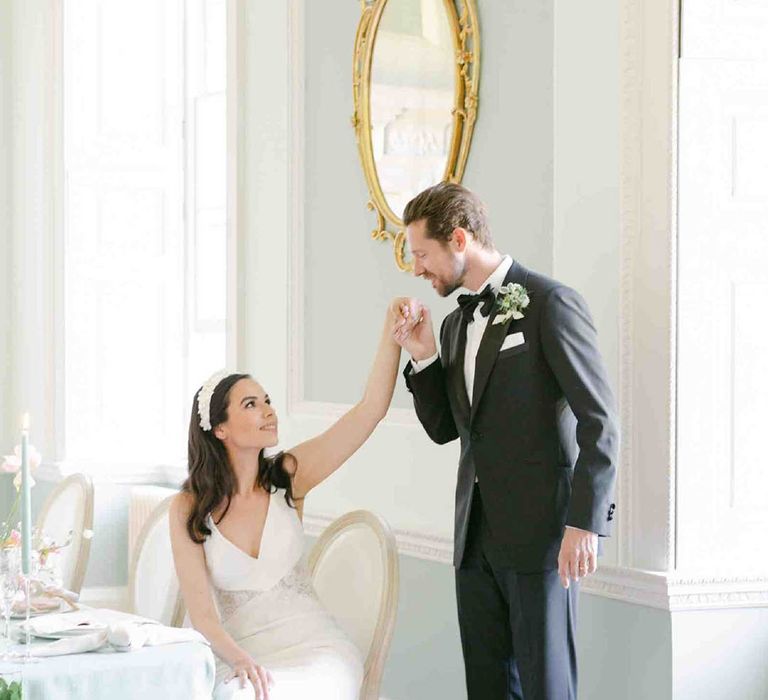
181,505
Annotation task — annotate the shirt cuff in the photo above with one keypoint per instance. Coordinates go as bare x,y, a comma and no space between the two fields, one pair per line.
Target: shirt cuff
418,365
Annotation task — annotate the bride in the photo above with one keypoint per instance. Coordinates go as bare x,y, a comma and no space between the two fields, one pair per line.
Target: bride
238,540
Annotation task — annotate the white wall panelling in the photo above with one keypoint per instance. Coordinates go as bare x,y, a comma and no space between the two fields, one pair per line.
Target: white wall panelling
733,29
34,110
5,216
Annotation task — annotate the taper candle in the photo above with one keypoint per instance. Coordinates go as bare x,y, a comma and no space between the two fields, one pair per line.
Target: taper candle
26,499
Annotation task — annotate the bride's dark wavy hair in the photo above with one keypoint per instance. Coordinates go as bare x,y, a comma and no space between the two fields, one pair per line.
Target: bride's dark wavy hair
211,480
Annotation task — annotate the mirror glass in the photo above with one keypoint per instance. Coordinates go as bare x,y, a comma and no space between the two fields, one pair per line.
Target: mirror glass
413,92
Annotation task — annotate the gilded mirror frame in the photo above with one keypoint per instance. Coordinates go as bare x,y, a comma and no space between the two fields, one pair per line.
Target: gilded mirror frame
462,17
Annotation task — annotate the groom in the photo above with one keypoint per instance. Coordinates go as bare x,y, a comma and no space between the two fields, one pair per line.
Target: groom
520,381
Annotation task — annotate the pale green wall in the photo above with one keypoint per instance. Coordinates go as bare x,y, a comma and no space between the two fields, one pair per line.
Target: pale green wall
510,167
624,651
720,654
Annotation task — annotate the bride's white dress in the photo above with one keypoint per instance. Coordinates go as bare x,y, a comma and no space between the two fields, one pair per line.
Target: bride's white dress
269,607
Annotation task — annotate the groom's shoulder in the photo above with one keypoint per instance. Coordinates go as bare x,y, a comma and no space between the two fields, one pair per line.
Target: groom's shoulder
538,282
546,291
553,295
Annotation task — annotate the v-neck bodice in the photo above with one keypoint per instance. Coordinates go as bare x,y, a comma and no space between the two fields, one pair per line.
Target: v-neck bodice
281,547
212,525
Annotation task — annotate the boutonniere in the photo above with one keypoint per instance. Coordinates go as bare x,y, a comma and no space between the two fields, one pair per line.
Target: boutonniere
510,301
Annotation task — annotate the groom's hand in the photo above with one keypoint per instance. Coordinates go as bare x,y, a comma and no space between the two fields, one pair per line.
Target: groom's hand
578,555
413,328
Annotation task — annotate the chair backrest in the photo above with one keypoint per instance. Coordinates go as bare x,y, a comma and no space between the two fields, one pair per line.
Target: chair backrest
69,507
355,571
153,588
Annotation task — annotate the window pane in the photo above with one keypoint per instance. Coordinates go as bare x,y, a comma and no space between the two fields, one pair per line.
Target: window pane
143,325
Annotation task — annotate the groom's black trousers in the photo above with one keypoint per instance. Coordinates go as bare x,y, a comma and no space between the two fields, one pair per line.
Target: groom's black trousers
517,629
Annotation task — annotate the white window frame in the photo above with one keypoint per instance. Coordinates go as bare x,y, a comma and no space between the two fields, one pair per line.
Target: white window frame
55,466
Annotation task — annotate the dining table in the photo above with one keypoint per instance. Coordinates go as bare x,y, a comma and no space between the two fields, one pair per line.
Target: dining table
184,670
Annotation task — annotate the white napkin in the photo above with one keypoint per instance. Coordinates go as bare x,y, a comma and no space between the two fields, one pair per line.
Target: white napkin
71,645
120,636
127,636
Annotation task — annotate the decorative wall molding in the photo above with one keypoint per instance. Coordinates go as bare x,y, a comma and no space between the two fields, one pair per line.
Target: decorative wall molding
673,592
399,417
676,591
433,548
236,126
649,47
629,141
673,21
296,243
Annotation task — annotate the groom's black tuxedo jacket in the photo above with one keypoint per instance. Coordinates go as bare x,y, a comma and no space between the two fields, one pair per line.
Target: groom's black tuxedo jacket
541,434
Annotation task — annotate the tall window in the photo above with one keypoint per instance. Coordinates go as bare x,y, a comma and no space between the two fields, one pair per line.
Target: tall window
145,220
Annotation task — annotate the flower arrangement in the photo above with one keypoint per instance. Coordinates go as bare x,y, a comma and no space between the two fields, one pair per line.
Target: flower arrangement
46,572
511,300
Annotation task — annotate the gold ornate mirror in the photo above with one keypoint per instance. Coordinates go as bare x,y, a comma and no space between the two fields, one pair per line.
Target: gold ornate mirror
415,79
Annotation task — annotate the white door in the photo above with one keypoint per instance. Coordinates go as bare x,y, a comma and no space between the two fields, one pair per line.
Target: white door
723,287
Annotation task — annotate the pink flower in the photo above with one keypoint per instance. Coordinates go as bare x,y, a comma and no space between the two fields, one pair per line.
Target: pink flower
13,540
11,464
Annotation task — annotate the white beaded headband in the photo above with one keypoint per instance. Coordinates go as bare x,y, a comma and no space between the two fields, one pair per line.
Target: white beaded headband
205,396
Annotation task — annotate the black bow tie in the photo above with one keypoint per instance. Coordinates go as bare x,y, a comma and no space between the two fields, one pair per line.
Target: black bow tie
468,303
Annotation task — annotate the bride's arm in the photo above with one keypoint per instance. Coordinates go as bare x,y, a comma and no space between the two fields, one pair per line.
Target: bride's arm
189,559
318,458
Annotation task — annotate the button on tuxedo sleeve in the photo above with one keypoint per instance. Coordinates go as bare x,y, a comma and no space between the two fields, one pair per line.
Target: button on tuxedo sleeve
569,342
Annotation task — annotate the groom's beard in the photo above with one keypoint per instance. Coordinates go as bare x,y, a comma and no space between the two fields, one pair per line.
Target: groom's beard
446,288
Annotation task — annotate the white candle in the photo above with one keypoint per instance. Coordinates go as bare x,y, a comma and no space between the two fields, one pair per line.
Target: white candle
26,498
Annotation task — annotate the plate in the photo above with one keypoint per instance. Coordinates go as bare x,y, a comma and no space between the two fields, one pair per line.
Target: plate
54,606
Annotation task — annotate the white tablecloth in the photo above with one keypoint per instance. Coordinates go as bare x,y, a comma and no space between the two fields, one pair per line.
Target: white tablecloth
172,672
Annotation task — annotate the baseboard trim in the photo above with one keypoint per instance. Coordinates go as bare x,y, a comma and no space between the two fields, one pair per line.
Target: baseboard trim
671,591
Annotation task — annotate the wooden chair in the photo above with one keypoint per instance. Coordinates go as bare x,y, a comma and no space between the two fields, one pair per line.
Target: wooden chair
70,508
355,571
153,588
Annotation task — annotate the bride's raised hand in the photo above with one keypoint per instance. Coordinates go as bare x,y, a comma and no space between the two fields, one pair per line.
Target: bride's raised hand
246,669
413,327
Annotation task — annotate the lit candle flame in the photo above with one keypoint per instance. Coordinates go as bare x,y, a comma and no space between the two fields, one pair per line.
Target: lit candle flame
25,421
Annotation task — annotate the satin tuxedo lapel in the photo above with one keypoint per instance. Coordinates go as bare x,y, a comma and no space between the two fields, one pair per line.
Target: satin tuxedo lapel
456,371
493,337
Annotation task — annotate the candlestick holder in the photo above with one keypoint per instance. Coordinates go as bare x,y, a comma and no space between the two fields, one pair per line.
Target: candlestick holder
26,657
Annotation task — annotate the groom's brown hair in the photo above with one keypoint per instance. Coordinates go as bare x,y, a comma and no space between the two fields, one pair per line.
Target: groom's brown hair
447,206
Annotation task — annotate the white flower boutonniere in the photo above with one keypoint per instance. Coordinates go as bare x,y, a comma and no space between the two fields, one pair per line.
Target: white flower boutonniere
511,301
